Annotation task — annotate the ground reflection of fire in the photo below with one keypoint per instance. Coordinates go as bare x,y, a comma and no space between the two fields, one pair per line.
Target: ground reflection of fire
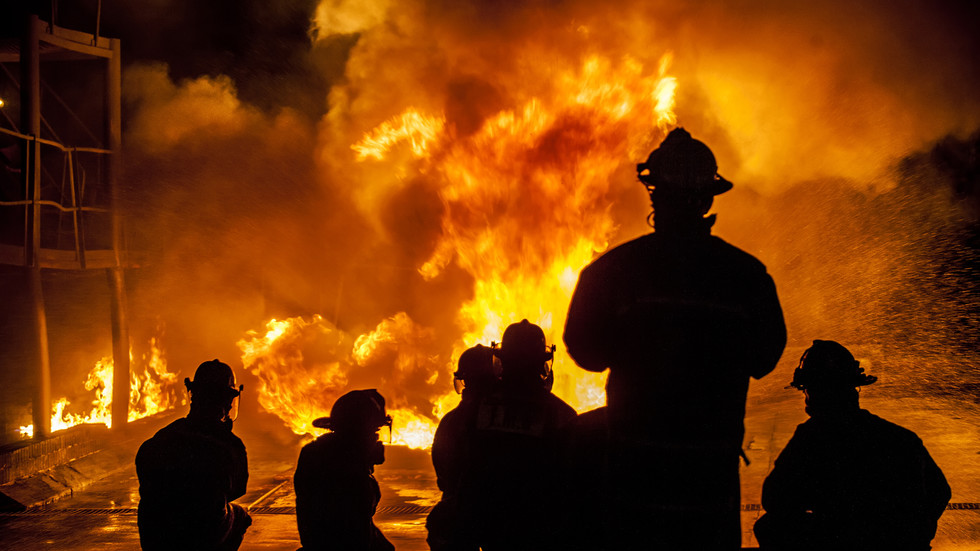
152,389
526,205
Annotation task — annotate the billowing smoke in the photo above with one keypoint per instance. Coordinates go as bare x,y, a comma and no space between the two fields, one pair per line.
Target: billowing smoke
767,83
251,205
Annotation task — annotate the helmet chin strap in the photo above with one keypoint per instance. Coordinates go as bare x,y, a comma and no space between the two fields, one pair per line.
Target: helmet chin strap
680,212
693,226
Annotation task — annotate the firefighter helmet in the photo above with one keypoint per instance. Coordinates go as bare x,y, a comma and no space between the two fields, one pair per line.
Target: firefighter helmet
356,411
523,352
213,379
475,369
827,364
682,164
524,341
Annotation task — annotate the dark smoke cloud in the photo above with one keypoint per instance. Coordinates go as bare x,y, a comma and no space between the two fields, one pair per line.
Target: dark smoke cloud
263,46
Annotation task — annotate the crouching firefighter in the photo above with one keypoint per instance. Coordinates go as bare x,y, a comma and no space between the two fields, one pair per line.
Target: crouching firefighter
848,479
191,470
336,492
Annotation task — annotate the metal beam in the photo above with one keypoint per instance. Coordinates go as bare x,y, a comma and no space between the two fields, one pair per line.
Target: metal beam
117,275
30,97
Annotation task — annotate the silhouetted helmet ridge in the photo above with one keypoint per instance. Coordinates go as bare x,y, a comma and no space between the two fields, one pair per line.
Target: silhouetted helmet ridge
356,411
475,369
682,165
213,379
828,365
523,346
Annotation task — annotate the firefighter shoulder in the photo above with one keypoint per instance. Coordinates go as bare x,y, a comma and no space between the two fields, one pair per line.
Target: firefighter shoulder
508,491
476,375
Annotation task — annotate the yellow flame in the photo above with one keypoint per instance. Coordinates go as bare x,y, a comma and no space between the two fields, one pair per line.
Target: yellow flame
155,389
151,391
410,430
664,93
549,165
298,364
526,205
303,366
419,130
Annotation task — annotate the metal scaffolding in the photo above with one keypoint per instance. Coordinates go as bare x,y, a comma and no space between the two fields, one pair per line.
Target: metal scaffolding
92,208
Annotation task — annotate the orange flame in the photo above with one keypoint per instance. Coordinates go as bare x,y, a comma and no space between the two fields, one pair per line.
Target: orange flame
304,366
151,391
299,364
419,130
526,205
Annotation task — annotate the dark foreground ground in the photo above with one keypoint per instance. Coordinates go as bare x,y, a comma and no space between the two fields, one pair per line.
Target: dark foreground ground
102,516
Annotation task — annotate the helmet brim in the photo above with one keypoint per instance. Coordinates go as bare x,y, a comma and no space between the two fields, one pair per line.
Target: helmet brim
720,185
322,423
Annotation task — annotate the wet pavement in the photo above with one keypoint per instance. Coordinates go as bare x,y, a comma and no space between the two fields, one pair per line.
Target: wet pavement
103,516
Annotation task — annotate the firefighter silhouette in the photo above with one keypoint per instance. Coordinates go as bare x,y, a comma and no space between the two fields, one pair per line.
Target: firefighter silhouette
848,479
336,492
191,470
475,378
509,479
682,320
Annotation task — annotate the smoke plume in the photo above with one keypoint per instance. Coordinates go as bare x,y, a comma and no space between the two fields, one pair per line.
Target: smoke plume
250,204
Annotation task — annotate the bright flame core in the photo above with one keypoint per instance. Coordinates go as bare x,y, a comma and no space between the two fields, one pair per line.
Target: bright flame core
526,205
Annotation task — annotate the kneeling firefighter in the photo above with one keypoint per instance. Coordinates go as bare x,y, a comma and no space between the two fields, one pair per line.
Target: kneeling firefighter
848,479
336,492
191,470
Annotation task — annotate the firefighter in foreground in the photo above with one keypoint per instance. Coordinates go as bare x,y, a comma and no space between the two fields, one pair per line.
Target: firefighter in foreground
682,320
509,480
336,493
474,379
191,470
848,479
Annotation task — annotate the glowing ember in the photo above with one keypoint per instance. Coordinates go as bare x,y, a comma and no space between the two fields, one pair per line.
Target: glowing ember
151,391
526,204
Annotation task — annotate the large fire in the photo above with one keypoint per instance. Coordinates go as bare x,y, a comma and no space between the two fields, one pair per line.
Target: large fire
152,389
526,205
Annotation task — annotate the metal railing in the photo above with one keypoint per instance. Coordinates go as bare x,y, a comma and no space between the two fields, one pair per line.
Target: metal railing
71,192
